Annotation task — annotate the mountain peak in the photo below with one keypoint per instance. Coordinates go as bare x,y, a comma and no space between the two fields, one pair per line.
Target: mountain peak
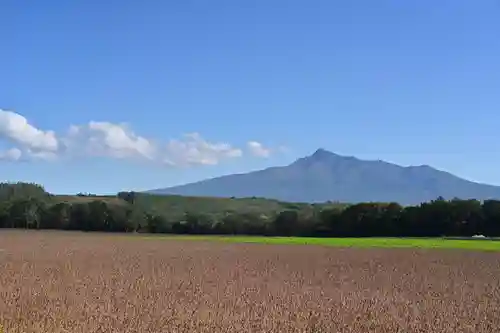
322,157
321,154
325,175
326,156
321,151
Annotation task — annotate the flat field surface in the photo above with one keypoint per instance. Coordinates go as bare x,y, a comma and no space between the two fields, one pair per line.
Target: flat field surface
75,282
421,243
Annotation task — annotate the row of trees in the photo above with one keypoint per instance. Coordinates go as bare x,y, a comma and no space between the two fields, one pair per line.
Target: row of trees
29,206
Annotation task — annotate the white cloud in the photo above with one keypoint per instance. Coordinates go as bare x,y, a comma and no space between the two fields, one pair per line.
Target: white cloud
108,139
42,155
12,154
112,140
257,149
16,129
118,141
196,150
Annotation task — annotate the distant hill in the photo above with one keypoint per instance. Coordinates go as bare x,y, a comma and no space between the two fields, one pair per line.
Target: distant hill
326,176
174,207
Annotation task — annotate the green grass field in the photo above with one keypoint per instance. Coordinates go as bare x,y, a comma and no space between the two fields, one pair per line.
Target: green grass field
422,243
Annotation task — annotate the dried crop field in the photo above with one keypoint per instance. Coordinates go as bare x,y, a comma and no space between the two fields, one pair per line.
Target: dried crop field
74,282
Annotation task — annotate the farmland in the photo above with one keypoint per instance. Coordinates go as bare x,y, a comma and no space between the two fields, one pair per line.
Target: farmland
419,243
96,282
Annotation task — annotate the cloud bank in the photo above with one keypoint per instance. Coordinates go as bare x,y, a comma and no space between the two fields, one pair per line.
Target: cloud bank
12,154
100,139
257,149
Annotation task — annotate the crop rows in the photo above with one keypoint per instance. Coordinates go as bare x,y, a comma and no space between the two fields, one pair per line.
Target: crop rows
70,282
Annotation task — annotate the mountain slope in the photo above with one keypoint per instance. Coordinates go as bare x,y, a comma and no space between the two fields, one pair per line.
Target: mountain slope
325,176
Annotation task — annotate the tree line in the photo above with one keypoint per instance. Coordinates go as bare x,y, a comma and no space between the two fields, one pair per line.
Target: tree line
29,206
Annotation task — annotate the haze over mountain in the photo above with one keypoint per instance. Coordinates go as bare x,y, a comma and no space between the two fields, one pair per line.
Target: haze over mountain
325,176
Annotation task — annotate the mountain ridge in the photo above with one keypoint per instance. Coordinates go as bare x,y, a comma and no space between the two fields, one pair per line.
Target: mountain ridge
327,176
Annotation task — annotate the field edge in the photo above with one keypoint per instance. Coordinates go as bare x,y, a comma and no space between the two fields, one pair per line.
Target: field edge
419,243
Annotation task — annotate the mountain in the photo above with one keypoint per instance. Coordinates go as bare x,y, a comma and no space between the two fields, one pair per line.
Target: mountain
325,176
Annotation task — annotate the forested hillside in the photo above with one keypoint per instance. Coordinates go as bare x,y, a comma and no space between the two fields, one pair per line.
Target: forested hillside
29,206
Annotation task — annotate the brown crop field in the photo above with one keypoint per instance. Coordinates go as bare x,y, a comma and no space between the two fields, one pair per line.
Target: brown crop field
74,282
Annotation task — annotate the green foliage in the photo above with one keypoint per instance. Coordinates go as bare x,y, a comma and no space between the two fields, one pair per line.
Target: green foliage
28,206
12,191
371,242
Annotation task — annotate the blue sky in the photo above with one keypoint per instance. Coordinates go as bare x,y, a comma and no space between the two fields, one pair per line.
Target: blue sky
411,82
